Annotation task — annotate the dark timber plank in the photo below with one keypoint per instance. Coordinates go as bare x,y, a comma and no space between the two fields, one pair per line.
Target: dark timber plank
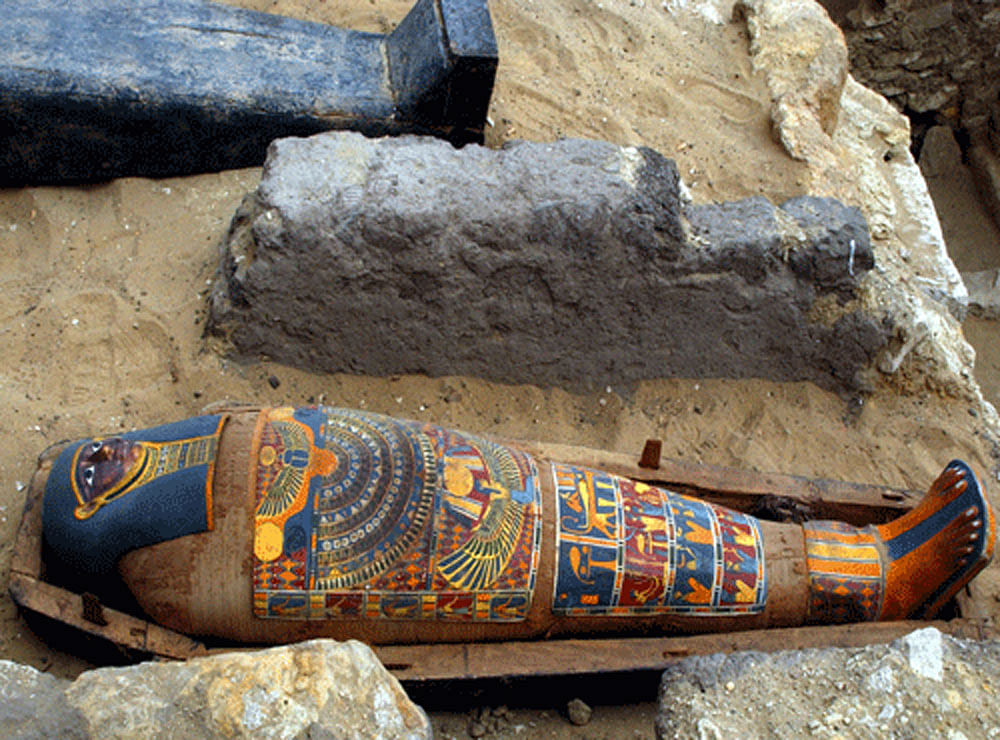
117,627
108,88
856,503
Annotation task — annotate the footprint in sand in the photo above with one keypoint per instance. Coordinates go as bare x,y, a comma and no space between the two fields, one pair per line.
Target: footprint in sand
114,349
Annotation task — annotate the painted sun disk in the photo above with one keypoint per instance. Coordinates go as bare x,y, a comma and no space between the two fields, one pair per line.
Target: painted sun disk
359,515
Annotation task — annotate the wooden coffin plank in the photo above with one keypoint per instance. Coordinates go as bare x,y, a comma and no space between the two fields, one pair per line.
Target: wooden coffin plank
26,558
418,663
442,64
855,503
117,627
110,88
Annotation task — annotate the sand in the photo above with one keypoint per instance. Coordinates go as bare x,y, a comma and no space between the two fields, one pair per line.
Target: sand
104,287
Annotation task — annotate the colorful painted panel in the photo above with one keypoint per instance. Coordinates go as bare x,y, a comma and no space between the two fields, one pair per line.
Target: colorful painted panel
626,548
363,516
846,582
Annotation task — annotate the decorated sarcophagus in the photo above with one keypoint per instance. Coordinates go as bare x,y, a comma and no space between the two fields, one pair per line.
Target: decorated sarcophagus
280,524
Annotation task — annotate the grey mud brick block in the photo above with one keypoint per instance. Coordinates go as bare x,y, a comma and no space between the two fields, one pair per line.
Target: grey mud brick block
111,88
574,264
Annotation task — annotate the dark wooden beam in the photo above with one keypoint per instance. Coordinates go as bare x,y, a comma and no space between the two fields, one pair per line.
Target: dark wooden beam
109,88
855,503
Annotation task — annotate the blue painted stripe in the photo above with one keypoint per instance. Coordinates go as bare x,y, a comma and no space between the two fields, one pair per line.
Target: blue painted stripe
910,540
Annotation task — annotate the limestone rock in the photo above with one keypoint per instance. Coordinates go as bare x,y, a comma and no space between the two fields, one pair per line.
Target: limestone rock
574,263
923,685
925,650
318,689
984,293
865,161
34,705
578,712
940,154
804,58
313,689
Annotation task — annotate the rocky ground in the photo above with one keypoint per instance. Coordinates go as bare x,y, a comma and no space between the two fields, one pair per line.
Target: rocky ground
924,685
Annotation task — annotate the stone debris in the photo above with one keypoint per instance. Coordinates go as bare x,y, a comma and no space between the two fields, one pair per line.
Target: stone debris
925,651
925,684
485,721
805,60
578,712
316,689
936,56
34,705
984,293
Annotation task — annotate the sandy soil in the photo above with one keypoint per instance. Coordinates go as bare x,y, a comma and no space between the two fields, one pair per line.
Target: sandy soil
103,287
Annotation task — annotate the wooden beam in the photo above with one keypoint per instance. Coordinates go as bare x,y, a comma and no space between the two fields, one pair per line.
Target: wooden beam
855,503
419,663
26,558
185,86
119,628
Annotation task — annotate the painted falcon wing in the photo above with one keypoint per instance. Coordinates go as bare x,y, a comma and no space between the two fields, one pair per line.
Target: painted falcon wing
288,482
482,558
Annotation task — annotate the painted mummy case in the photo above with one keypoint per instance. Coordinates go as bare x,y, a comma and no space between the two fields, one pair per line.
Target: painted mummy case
284,524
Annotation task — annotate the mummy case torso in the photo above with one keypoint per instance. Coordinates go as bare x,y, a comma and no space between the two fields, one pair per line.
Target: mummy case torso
289,523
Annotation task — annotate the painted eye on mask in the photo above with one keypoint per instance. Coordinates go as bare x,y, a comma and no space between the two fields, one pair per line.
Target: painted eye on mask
88,475
96,446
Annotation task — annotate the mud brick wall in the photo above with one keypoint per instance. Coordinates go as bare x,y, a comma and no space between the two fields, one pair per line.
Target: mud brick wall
938,57
575,263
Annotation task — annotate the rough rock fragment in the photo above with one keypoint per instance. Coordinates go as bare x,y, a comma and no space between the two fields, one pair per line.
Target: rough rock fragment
313,689
578,712
34,705
940,154
574,263
984,293
804,59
